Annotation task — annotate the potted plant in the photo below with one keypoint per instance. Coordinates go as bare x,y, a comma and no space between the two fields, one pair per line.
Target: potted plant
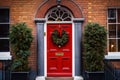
20,39
95,37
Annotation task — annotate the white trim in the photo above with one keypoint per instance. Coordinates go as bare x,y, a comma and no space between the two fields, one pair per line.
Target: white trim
75,78
78,78
113,55
4,22
55,22
4,38
73,51
40,78
5,56
45,51
58,22
40,19
78,19
45,46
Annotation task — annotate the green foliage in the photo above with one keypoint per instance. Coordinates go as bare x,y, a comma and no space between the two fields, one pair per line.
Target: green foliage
20,39
95,38
59,40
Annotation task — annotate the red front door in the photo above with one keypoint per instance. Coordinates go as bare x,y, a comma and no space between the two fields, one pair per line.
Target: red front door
59,50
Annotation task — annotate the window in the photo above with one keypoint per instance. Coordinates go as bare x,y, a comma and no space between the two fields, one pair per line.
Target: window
114,29
111,13
59,14
4,30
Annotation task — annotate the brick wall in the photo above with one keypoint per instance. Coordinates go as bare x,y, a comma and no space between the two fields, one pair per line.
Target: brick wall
25,10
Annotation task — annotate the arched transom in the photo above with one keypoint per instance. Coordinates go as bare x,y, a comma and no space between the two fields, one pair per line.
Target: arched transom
59,14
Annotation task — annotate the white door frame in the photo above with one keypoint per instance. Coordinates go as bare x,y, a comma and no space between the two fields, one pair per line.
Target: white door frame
45,46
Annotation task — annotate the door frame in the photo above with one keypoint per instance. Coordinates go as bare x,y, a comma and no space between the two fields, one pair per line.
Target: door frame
45,45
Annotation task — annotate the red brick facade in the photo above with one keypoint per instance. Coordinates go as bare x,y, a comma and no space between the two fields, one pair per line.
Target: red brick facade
28,10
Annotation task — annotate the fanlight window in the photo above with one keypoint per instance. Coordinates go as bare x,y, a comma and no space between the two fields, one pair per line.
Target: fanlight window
59,14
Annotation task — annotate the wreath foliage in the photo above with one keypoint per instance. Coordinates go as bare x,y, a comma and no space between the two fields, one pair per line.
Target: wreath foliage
60,40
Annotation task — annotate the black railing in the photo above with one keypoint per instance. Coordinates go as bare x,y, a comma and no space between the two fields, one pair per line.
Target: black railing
111,72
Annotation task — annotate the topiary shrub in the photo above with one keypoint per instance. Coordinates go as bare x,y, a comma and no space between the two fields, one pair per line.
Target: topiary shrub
95,37
20,39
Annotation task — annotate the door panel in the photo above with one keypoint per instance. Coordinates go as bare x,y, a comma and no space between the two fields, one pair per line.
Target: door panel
59,58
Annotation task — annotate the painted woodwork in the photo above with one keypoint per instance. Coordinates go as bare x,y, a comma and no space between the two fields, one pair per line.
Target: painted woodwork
59,59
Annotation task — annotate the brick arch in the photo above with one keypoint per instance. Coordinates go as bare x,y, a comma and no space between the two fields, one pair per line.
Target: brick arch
70,4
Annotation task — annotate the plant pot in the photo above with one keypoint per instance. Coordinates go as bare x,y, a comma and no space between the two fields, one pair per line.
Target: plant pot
94,75
19,75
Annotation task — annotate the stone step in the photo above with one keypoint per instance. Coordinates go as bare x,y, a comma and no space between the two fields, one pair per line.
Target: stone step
59,78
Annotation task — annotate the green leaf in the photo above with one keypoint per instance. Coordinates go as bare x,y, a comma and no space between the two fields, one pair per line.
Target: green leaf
95,39
20,40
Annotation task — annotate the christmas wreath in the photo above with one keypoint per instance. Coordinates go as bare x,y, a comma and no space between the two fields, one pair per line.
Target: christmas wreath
60,40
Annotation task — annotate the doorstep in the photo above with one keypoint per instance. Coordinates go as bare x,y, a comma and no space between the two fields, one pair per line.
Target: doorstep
59,78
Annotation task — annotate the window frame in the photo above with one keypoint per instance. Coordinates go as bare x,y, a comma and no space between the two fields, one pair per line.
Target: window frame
6,23
114,23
